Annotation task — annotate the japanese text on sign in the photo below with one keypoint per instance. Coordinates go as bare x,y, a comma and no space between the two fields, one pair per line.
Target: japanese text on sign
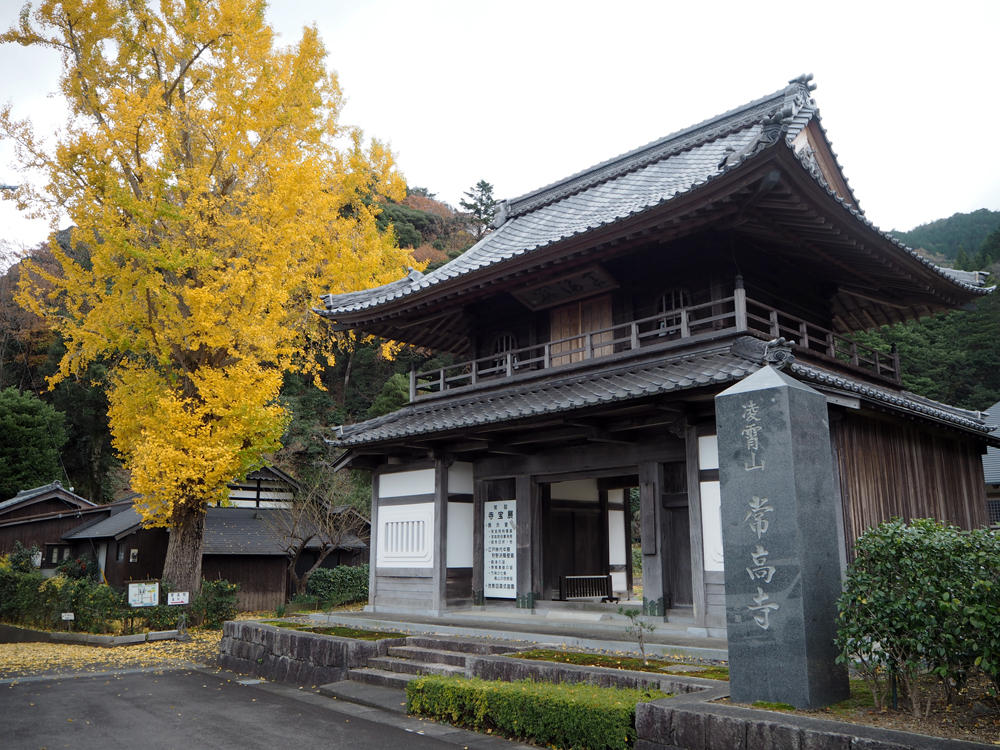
500,550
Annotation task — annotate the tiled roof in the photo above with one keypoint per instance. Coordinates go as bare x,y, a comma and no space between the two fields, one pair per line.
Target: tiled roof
228,531
576,392
625,186
117,525
991,460
56,486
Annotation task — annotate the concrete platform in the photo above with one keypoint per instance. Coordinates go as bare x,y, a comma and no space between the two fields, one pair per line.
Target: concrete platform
544,628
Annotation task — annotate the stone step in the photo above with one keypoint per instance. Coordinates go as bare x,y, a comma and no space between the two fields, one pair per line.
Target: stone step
429,655
408,666
465,646
380,678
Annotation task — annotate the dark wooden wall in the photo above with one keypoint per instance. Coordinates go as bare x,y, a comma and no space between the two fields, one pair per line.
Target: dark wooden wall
45,531
261,578
894,468
152,546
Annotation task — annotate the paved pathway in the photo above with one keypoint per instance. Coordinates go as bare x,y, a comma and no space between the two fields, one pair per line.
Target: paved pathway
203,709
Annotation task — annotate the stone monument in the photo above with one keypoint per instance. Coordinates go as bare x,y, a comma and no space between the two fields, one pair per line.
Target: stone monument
780,542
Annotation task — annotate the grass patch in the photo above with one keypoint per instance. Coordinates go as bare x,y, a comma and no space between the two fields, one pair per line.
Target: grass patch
337,630
773,706
659,666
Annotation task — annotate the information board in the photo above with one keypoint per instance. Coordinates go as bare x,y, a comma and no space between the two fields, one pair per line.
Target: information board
178,597
500,550
143,594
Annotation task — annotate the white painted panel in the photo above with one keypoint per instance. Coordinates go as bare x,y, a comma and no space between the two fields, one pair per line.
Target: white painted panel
460,478
500,549
616,537
578,489
405,536
616,496
404,483
711,525
619,582
708,452
459,535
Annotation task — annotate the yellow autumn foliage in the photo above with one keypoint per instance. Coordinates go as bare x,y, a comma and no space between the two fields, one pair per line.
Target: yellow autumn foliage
216,197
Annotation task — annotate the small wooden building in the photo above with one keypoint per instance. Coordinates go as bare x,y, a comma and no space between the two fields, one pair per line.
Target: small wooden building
591,331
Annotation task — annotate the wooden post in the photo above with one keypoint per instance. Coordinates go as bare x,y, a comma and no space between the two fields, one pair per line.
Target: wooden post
440,535
510,364
475,372
831,347
854,353
897,373
635,336
588,346
529,537
442,385
685,329
775,328
373,540
740,303
413,383
698,593
548,356
804,334
478,543
650,490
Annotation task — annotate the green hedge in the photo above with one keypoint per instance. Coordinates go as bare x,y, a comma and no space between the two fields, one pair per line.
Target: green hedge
922,597
340,585
567,716
31,600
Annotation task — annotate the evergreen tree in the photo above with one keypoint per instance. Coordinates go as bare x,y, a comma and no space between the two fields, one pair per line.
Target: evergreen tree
481,207
31,435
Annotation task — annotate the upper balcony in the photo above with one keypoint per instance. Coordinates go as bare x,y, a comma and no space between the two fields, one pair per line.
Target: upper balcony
669,330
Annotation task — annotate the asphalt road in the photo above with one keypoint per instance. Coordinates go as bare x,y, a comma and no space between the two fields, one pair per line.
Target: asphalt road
186,710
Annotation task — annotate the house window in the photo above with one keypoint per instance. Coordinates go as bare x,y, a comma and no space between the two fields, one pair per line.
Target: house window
575,319
120,552
670,301
993,510
57,553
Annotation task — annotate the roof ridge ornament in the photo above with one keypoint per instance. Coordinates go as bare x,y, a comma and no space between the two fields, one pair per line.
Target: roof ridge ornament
797,94
776,352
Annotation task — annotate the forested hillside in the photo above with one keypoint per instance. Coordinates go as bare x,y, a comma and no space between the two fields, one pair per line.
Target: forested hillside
944,239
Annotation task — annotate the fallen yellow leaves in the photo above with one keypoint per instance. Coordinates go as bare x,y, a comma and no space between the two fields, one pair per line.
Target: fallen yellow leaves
23,659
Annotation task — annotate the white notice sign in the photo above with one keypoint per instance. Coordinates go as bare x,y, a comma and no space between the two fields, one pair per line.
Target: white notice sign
500,550
143,594
68,616
178,597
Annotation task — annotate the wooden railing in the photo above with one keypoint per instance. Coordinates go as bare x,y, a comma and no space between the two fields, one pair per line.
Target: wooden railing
736,314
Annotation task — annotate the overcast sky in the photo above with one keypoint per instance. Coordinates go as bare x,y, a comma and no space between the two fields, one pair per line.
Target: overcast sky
523,93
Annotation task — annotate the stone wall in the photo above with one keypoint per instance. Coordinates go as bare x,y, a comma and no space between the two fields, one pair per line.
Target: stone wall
510,669
692,722
283,655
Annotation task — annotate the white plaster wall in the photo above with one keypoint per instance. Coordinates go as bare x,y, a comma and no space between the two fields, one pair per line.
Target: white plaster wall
460,478
459,535
404,483
711,525
708,452
616,537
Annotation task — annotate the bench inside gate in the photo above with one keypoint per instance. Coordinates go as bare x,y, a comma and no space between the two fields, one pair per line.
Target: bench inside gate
586,587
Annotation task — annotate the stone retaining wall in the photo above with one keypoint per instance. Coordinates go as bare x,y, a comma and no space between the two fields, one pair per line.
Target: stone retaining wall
283,655
692,722
510,669
13,634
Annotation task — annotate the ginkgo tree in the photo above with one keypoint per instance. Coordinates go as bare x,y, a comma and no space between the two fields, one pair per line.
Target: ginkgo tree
216,196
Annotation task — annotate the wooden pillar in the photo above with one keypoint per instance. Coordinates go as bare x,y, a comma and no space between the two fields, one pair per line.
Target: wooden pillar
373,542
698,593
529,548
440,574
478,543
650,490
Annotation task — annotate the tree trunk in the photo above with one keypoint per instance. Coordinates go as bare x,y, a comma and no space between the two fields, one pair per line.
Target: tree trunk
187,538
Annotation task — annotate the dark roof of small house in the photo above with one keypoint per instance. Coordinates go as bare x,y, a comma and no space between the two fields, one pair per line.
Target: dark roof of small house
991,459
228,531
36,494
681,372
117,526
628,185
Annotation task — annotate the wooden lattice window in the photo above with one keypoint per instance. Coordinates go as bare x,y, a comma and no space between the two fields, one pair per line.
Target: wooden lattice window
670,301
505,342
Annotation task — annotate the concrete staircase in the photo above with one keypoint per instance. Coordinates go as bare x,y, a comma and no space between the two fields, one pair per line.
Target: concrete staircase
423,655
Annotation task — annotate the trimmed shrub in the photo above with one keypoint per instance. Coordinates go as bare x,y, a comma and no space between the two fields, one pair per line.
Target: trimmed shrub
215,603
340,585
921,597
568,716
